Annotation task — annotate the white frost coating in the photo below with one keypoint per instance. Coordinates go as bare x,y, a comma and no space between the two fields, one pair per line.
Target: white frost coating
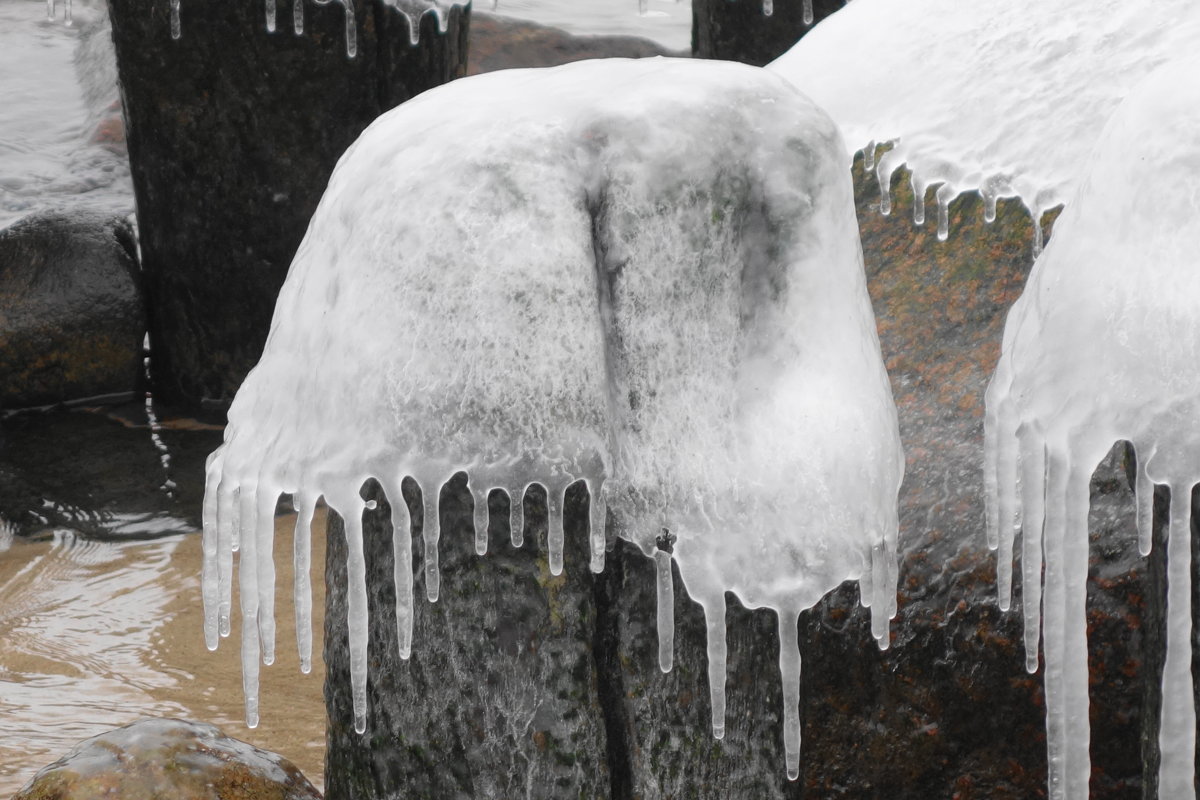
1101,347
644,275
980,94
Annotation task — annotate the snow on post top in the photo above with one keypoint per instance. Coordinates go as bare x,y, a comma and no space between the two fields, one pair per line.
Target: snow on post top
1004,98
1102,346
643,275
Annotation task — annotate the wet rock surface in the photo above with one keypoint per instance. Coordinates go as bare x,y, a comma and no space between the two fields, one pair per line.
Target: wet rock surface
232,134
71,312
502,43
168,759
738,30
947,711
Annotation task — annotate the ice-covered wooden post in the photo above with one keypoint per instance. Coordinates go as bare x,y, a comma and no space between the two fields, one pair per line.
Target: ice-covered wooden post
233,131
638,282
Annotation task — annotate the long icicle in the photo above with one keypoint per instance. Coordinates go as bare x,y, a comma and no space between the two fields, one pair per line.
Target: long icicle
1144,491
1033,515
356,612
516,515
1077,767
1053,603
228,506
480,515
789,671
402,571
555,502
264,532
666,610
1177,730
209,580
305,506
248,591
714,619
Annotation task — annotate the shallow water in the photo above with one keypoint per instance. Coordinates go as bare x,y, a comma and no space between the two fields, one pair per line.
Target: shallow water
665,21
98,634
53,150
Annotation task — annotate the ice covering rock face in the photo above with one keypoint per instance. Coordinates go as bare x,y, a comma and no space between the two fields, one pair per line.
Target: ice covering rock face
1003,98
644,276
1102,346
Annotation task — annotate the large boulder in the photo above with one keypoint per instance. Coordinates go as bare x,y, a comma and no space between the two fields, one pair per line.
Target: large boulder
232,134
948,711
71,313
168,759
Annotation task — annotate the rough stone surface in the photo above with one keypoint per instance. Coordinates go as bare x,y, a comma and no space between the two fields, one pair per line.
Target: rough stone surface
168,759
232,134
738,30
503,43
947,712
499,698
71,314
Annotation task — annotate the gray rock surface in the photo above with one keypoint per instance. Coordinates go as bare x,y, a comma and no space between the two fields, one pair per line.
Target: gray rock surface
71,312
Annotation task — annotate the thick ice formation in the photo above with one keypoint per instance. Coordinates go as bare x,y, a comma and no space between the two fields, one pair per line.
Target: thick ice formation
644,275
1103,346
1003,98
412,10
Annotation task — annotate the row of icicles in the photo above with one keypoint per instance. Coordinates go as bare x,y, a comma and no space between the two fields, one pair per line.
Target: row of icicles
991,191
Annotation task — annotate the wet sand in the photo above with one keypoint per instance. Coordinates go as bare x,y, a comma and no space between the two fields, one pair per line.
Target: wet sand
98,634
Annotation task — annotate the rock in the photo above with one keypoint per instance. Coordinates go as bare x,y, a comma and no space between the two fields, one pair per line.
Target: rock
168,759
503,43
948,711
499,698
71,313
738,30
232,134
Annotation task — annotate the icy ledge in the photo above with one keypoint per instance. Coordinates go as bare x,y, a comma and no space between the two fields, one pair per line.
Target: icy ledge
1103,346
644,275
1006,99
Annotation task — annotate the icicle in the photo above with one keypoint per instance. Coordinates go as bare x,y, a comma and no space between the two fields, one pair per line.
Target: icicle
879,601
1144,492
209,582
1033,514
1077,763
302,583
431,533
228,504
789,670
516,515
271,15
1037,233
1004,535
869,156
989,202
1054,604
888,163
402,572
945,194
666,610
175,29
918,188
481,520
714,618
50,10
555,498
643,7
264,532
356,613
298,16
597,513
248,586
68,19
351,34
1177,731
808,12
768,7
